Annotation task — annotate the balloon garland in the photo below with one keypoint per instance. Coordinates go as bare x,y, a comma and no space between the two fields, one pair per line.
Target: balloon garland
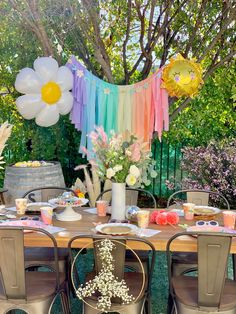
46,90
182,77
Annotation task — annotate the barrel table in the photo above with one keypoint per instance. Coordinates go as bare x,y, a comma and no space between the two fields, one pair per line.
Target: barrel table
19,180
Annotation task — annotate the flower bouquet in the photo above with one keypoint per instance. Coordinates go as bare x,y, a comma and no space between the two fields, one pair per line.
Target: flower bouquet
123,161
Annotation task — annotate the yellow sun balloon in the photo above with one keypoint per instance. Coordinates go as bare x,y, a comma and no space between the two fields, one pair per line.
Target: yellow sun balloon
182,77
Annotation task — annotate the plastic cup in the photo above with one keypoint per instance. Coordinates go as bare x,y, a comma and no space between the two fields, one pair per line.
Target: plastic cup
21,205
46,214
229,219
143,218
188,211
101,208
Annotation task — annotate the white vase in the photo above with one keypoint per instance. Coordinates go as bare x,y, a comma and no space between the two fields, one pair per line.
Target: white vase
118,201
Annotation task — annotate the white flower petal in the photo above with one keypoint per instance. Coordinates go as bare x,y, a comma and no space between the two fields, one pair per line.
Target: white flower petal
48,116
46,68
64,78
65,103
29,105
27,82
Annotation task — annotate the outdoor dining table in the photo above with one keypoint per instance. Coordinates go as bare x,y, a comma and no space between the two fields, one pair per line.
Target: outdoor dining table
87,224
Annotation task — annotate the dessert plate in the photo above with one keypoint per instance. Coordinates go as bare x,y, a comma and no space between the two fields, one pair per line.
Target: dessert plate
116,228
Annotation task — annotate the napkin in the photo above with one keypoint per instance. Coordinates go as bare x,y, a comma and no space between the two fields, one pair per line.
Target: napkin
146,232
91,210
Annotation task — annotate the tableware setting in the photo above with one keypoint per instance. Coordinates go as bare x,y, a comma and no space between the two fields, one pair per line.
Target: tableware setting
116,228
34,208
68,202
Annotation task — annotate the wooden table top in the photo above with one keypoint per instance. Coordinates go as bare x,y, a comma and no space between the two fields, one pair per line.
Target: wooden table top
86,225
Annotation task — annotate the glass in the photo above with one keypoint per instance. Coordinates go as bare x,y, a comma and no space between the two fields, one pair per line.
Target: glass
143,218
21,205
229,219
46,214
188,211
101,208
212,223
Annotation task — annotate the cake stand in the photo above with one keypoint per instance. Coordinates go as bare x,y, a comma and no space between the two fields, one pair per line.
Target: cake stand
68,213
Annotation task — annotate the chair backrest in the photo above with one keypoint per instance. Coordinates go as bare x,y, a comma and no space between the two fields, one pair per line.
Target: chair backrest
12,264
199,197
44,194
132,197
118,254
213,251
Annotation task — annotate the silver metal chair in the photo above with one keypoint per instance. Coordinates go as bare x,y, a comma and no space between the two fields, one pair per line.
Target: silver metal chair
184,262
44,256
133,200
210,291
31,291
199,197
133,279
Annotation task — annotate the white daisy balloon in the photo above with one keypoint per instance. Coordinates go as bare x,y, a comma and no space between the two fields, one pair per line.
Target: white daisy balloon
47,91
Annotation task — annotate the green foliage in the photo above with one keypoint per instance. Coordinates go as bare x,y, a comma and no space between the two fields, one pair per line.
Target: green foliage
210,115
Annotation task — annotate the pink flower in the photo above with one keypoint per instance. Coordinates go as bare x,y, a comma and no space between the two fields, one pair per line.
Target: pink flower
101,133
93,136
135,152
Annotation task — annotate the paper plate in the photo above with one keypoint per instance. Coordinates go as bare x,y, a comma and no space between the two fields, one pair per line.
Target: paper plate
116,228
206,211
24,223
35,207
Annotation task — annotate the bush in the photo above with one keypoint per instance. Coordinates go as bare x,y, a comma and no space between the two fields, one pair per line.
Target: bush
211,168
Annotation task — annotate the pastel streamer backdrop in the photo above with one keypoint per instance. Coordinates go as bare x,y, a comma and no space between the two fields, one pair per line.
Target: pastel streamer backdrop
140,108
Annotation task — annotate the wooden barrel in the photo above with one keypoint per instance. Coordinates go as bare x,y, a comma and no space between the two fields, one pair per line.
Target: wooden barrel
19,180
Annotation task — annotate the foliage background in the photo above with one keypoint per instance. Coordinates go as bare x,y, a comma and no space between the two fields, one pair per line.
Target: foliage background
210,115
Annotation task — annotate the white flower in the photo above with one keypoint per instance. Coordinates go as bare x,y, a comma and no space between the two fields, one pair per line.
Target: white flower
110,173
47,91
153,174
131,180
117,168
134,171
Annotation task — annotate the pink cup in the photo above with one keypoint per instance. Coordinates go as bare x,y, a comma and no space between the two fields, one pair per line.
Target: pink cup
46,214
229,219
101,208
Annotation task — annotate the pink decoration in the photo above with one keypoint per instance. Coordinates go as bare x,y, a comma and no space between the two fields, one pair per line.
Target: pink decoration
153,216
172,218
135,152
161,219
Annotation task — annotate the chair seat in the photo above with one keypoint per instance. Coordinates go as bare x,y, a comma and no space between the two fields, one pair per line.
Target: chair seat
186,291
39,285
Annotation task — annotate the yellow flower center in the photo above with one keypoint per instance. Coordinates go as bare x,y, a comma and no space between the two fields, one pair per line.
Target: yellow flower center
51,93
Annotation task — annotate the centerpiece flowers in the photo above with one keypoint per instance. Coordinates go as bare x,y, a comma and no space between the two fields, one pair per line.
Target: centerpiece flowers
123,161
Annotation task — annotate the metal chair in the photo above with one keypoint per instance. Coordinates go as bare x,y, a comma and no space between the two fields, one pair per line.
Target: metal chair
210,291
184,262
199,197
43,194
31,291
132,200
44,256
139,283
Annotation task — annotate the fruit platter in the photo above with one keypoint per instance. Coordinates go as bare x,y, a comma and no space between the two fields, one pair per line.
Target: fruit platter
68,203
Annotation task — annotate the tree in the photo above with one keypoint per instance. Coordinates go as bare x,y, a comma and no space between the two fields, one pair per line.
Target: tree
123,41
